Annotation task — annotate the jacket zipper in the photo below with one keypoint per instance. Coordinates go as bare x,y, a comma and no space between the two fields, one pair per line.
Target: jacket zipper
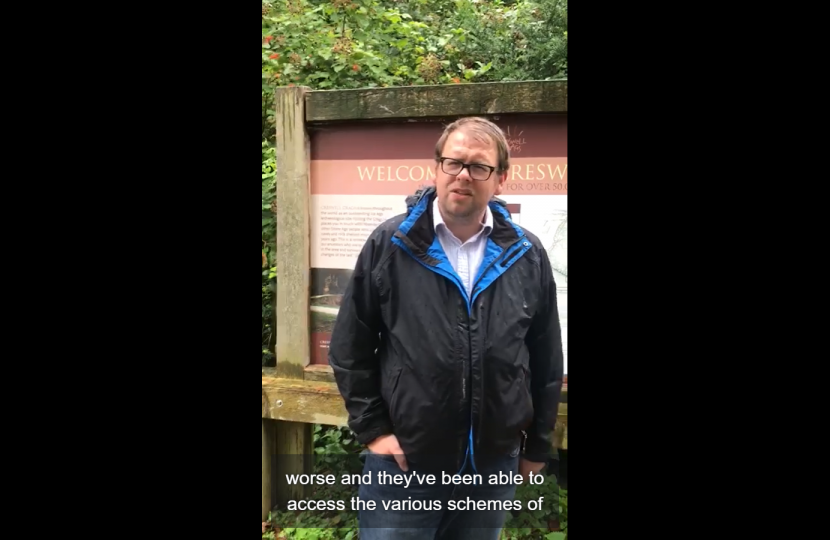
468,302
524,444
509,251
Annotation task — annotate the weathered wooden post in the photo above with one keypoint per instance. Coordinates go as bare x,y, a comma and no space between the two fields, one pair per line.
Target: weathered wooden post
267,471
291,450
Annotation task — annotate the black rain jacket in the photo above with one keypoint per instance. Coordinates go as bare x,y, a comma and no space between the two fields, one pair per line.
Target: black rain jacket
455,379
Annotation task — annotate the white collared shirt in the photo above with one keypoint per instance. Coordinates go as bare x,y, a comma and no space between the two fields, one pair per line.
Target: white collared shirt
465,258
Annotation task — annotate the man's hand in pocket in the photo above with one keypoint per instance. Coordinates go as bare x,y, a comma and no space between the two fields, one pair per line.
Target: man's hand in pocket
388,446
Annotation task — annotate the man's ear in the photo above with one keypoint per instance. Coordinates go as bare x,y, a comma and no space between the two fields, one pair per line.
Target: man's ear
434,180
502,182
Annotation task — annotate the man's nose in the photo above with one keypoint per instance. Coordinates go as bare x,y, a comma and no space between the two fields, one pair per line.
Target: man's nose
464,175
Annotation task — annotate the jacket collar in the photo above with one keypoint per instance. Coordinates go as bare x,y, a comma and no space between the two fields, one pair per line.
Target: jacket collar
418,230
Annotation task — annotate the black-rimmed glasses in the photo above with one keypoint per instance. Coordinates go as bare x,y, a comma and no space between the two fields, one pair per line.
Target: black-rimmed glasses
478,172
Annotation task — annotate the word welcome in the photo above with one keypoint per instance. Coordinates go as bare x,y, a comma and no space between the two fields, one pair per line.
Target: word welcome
406,173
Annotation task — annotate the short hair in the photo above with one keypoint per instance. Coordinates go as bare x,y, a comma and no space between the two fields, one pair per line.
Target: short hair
482,130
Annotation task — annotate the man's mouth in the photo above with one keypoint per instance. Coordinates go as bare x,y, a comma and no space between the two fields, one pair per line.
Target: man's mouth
462,192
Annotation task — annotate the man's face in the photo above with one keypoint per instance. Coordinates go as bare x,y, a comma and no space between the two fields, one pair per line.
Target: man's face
461,197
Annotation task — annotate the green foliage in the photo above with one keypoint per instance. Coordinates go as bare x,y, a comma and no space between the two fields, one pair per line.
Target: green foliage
554,514
269,168
341,44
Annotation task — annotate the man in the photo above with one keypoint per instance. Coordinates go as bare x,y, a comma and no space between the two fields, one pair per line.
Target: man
447,348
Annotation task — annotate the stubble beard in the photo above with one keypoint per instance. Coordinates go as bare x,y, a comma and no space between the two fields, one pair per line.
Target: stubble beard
463,215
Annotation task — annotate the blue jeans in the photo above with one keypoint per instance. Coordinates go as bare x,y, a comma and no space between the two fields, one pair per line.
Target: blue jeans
416,523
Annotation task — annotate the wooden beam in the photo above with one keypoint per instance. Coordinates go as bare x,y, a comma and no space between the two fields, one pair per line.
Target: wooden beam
303,401
294,441
293,259
414,102
268,450
560,436
314,402
319,373
294,455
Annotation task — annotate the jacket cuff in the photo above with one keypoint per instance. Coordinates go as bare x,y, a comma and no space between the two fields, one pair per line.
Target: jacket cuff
383,428
538,451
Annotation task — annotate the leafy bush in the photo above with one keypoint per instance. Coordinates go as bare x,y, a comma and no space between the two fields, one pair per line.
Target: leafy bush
269,169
